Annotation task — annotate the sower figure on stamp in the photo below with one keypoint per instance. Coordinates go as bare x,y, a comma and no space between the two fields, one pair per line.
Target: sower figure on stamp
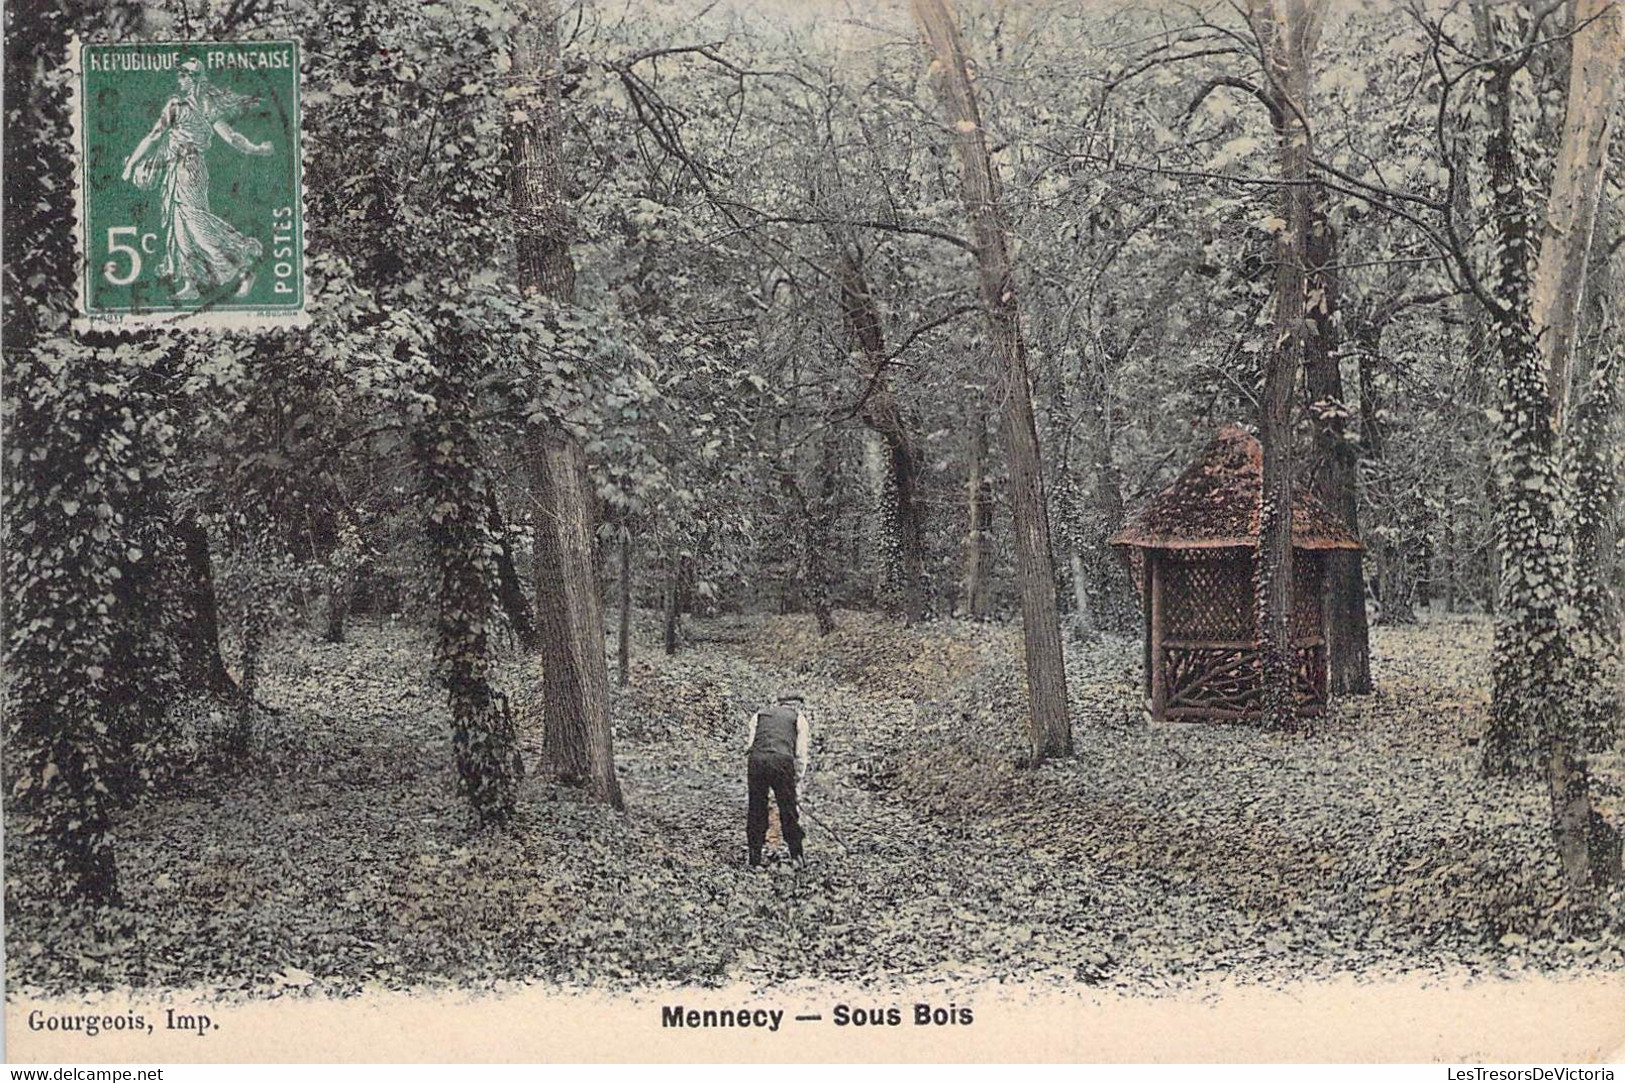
778,759
202,251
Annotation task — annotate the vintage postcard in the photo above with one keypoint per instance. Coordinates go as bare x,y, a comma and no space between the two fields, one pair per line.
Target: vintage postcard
751,530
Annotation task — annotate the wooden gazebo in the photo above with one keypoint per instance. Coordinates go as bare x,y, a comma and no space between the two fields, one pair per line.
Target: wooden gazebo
1192,550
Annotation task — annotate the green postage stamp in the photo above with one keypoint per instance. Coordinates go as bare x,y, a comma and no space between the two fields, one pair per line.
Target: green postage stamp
189,200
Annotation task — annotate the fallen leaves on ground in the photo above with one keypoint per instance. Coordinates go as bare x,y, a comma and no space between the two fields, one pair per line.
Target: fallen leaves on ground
339,857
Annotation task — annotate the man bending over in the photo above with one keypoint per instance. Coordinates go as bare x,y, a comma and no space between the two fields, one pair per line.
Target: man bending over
777,761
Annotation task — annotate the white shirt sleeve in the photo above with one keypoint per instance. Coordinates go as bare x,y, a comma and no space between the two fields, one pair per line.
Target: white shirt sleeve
803,741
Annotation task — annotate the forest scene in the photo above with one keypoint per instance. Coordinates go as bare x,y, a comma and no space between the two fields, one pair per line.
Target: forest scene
1165,455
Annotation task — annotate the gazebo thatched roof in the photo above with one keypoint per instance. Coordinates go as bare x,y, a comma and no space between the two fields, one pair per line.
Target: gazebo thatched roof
1215,504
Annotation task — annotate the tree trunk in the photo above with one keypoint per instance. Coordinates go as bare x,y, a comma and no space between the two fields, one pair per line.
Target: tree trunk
624,632
1393,587
978,596
1398,591
1533,710
199,632
1583,340
1048,724
1530,646
1116,603
1480,390
879,565
1348,650
1286,32
674,604
1066,526
1588,844
253,642
1449,573
1072,533
1050,729
815,525
1593,433
509,592
483,737
575,683
1084,628
340,590
821,539
881,414
1595,82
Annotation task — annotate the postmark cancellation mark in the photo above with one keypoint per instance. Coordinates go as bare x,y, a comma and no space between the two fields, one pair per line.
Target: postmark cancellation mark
190,200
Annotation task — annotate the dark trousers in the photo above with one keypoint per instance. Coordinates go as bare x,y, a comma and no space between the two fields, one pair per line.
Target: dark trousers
770,771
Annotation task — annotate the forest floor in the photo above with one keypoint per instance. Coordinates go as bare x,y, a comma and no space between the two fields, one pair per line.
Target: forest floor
339,858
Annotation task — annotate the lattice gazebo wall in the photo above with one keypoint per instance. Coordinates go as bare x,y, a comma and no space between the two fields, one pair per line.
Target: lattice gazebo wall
1191,549
1202,658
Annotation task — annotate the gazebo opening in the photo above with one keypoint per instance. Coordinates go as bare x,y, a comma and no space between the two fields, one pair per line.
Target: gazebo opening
1191,550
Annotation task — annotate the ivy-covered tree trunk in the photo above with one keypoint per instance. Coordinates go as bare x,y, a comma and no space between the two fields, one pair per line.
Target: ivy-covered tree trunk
575,675
89,661
1588,843
1286,33
1532,693
1593,433
884,417
484,741
1348,649
84,538
808,522
1533,705
1573,309
1048,725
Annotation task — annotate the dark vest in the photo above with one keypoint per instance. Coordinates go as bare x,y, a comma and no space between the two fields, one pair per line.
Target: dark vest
776,731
